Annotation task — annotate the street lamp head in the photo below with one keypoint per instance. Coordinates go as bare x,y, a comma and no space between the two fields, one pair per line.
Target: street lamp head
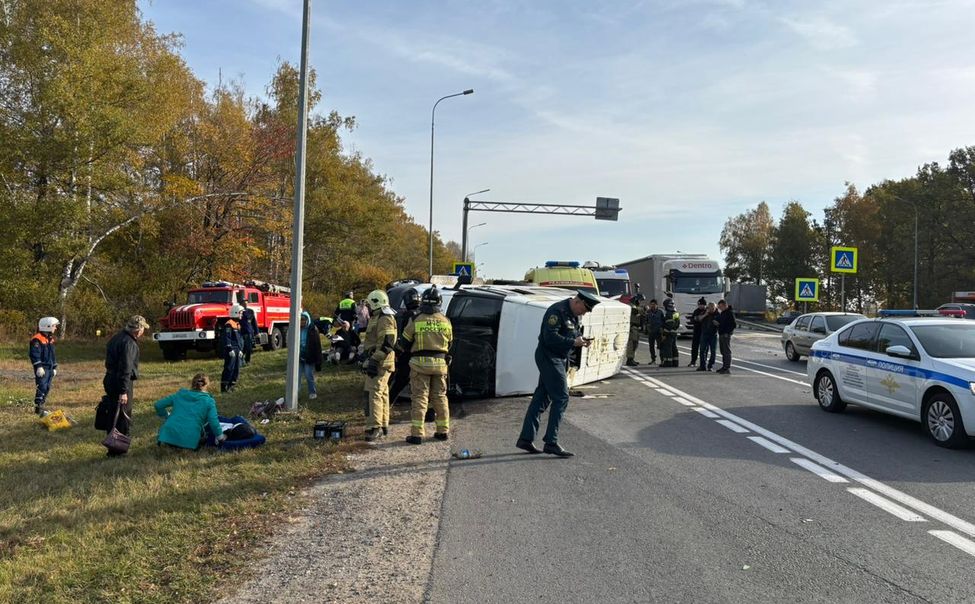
469,91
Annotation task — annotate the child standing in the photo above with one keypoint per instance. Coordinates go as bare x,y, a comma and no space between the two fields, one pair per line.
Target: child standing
41,352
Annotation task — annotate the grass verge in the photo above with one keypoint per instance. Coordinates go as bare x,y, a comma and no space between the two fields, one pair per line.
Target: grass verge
158,525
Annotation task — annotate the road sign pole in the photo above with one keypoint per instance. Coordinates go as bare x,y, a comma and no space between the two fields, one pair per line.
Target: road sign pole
842,292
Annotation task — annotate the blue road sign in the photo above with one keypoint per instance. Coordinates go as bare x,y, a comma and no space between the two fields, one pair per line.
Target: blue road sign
843,259
807,289
463,269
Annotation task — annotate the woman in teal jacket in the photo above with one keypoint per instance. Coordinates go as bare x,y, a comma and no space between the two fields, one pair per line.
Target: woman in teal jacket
191,410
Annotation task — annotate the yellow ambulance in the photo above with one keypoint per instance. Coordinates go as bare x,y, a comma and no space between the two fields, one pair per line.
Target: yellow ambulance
564,274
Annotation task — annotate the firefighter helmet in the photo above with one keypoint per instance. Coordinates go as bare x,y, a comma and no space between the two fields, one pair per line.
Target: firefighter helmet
411,299
669,304
432,297
48,325
377,299
637,300
236,311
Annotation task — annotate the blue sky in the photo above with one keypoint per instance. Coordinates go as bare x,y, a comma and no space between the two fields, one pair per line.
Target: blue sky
689,111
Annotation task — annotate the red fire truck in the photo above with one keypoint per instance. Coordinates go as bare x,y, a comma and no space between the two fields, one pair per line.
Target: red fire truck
197,324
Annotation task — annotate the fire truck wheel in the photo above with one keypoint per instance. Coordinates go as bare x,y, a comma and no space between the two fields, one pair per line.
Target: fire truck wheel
275,340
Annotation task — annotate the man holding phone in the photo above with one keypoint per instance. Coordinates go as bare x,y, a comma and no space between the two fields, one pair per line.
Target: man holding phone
559,336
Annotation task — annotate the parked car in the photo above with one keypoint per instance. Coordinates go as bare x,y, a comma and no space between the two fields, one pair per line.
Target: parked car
787,317
919,368
956,309
799,336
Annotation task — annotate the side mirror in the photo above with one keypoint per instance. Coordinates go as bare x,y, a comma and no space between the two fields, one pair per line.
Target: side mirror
899,351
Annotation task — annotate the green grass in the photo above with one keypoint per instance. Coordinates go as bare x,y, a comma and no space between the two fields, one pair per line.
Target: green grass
158,525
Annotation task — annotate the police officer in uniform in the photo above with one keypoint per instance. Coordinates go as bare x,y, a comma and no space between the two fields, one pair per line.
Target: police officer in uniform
380,361
233,350
248,329
559,336
637,316
669,356
428,338
401,377
45,365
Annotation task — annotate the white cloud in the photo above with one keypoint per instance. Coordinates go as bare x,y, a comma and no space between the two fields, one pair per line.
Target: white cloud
822,33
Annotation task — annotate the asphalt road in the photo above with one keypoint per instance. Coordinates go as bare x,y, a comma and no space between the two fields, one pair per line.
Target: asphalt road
696,487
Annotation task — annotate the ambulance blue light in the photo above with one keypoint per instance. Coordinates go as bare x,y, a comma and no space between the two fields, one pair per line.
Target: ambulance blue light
622,271
554,263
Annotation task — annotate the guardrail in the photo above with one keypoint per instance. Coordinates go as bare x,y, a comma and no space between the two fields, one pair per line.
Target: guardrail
759,326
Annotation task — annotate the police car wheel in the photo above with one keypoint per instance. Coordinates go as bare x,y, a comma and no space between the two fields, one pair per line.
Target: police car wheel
942,421
790,352
827,394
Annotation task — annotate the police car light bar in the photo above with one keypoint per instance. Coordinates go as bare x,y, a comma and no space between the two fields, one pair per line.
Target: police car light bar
566,263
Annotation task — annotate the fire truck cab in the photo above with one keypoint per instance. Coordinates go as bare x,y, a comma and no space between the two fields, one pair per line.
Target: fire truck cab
196,325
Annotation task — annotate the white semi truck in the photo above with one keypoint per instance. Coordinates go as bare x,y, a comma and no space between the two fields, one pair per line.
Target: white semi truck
684,277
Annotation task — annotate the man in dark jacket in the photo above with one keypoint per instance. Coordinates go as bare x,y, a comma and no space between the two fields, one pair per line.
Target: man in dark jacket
121,369
709,337
702,305
559,337
345,318
655,323
401,377
248,329
726,327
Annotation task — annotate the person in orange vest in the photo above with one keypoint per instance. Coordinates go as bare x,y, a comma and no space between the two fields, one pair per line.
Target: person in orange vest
41,352
233,350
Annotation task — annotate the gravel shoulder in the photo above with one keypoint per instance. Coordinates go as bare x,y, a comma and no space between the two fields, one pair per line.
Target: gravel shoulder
365,534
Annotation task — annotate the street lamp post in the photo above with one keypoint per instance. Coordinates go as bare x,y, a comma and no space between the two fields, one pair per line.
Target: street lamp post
464,229
433,117
474,251
914,207
467,237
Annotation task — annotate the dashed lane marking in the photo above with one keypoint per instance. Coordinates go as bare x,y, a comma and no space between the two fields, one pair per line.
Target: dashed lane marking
817,469
706,413
876,492
683,401
771,446
965,545
731,426
886,505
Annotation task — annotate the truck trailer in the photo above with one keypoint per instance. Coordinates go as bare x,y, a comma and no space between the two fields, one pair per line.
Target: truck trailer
684,277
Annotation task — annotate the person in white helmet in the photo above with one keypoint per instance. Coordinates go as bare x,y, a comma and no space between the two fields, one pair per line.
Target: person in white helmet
380,360
45,365
233,349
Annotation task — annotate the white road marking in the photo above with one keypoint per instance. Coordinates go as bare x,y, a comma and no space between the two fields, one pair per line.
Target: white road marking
730,425
771,446
886,505
735,363
903,498
665,392
683,401
818,470
705,412
965,545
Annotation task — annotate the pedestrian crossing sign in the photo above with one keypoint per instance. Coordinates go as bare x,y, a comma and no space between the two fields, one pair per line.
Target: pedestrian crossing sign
807,289
843,259
462,269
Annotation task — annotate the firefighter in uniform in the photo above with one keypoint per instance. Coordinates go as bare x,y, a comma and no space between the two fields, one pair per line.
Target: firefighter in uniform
558,338
428,338
45,365
380,361
233,350
668,336
401,377
637,317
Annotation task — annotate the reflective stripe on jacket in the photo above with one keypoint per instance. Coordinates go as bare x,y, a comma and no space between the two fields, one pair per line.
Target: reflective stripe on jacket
430,336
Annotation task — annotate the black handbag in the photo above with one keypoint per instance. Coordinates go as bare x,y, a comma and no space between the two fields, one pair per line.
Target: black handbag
116,442
103,414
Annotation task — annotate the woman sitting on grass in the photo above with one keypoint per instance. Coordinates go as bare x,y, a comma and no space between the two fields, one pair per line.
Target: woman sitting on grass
191,410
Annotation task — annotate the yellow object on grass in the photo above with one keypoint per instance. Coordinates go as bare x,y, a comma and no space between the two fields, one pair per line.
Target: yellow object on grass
56,420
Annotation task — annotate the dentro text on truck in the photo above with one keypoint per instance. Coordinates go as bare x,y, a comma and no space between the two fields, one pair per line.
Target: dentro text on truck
197,324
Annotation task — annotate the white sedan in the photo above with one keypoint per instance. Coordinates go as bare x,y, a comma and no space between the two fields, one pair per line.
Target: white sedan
919,368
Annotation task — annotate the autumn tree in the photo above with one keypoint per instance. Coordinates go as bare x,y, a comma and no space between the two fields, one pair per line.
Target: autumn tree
745,241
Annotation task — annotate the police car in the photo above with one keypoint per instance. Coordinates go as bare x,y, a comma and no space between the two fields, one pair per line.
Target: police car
919,368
